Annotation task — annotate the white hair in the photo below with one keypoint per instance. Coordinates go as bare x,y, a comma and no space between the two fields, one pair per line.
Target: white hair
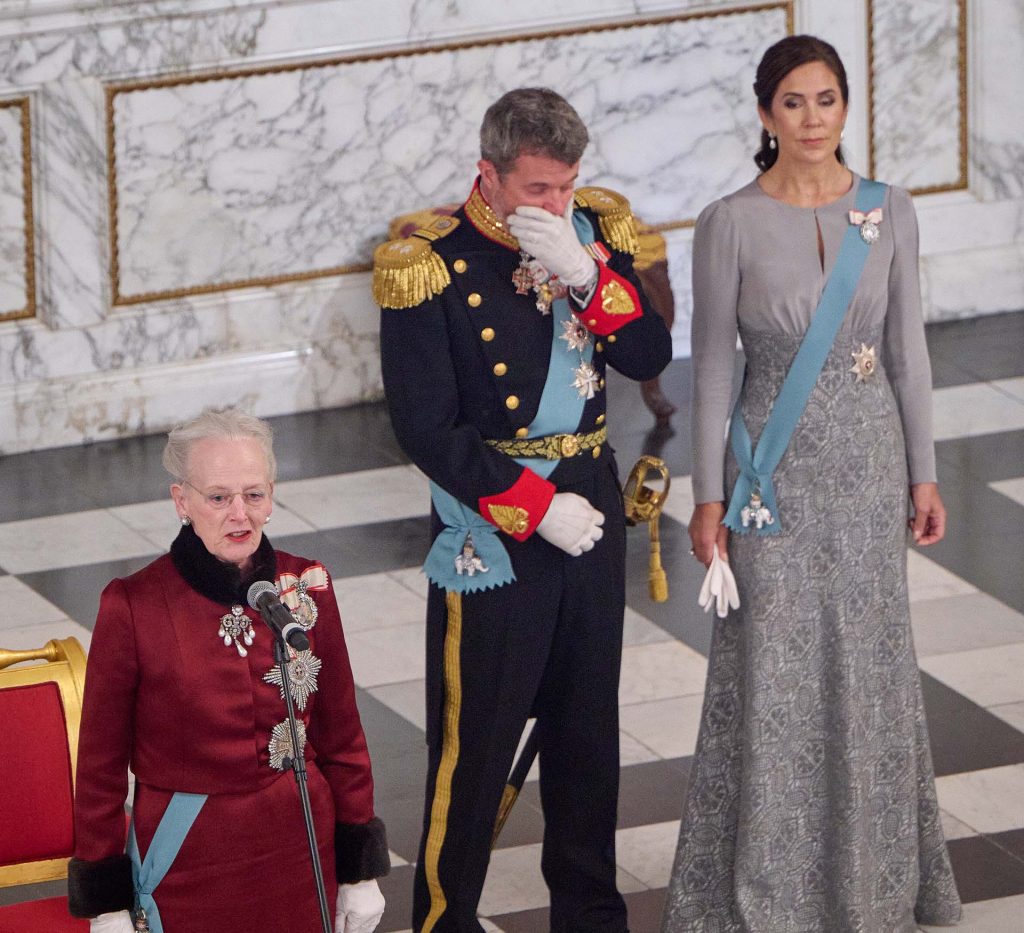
229,424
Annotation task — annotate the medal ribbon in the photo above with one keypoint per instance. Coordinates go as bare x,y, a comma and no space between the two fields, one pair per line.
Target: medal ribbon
757,466
315,577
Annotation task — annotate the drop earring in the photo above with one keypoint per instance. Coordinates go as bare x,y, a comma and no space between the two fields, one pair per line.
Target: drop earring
771,141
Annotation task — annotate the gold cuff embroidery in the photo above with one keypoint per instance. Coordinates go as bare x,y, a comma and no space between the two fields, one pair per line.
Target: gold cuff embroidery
615,299
511,519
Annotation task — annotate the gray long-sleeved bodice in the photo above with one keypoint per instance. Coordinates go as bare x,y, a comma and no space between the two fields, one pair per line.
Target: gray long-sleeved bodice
756,268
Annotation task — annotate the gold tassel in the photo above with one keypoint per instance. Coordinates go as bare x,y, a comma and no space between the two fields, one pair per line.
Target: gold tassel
657,582
619,232
407,273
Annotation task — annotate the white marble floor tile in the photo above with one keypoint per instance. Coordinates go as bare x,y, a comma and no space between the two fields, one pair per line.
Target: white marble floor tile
655,672
377,600
952,828
990,801
634,752
988,676
156,521
357,498
1011,488
679,504
1013,387
977,408
407,698
646,852
396,859
1013,713
640,631
20,638
668,727
412,578
67,541
283,521
24,606
962,623
1002,915
387,655
929,580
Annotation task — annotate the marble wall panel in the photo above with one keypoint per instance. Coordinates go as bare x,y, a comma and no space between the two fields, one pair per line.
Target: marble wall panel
917,83
269,176
17,242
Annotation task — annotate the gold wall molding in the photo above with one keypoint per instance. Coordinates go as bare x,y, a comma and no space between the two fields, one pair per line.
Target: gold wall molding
28,214
127,87
963,153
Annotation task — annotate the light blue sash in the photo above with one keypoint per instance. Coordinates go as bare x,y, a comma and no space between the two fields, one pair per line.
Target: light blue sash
174,825
559,412
757,467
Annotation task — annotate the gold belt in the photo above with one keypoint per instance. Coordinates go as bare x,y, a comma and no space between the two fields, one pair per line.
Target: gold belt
553,446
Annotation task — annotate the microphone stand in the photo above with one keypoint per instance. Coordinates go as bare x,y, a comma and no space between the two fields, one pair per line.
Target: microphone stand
298,766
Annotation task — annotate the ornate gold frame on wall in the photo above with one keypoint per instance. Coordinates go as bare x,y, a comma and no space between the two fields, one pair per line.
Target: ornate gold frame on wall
29,311
962,181
112,90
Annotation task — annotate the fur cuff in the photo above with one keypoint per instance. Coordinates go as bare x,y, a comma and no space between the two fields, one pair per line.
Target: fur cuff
100,887
360,851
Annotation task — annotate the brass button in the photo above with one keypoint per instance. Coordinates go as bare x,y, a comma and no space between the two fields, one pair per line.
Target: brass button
474,300
569,445
500,369
601,383
597,451
611,338
487,334
592,322
459,265
599,419
522,432
512,403
599,346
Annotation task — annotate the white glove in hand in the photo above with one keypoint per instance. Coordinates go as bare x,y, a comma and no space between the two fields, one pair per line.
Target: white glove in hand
571,523
719,588
120,921
360,907
553,242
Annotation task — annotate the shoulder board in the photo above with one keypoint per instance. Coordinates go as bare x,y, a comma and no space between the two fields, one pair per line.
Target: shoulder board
614,216
407,273
439,227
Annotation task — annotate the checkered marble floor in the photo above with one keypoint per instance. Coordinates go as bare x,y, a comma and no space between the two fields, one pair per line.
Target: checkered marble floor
72,519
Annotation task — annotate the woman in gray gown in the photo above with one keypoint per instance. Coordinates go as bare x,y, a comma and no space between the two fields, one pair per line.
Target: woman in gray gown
811,805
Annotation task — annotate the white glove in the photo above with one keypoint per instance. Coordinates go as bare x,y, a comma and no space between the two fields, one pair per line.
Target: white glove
120,921
553,242
360,907
571,523
719,587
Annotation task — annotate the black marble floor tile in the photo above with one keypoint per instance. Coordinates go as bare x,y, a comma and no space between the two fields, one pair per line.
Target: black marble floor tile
652,792
523,921
1012,841
985,870
525,824
361,549
980,349
644,915
397,890
965,736
76,590
985,457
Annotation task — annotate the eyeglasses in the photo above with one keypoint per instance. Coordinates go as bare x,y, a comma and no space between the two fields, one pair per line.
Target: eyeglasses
252,498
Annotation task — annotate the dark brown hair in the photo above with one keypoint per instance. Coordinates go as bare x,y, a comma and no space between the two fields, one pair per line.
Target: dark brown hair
779,61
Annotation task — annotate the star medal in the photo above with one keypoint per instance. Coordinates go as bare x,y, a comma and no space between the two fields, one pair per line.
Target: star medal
306,613
235,625
575,335
864,364
586,381
303,668
280,748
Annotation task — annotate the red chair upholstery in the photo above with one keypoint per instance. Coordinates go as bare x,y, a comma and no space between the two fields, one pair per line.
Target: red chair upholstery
40,711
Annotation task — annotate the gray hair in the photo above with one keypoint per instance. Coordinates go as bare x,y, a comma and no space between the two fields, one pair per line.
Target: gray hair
532,121
229,424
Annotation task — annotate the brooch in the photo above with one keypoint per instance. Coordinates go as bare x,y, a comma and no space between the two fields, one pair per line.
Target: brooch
756,512
864,364
302,672
235,625
280,748
868,224
467,562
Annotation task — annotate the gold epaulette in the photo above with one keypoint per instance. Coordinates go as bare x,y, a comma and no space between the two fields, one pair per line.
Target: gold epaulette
408,272
614,215
652,247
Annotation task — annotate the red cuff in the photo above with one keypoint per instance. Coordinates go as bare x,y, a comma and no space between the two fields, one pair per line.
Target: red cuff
615,304
518,510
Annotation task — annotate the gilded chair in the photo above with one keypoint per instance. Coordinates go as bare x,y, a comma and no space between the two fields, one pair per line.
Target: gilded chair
40,711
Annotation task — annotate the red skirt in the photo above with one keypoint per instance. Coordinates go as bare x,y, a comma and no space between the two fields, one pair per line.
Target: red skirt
244,865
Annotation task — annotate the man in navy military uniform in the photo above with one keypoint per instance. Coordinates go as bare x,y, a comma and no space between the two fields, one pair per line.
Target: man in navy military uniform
497,324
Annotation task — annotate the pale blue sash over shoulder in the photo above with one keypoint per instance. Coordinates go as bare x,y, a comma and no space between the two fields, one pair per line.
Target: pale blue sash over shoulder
147,873
757,466
559,412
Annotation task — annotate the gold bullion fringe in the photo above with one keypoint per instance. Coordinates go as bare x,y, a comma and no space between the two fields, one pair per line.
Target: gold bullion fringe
406,286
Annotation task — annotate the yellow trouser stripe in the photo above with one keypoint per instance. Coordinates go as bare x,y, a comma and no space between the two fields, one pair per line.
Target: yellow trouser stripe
449,758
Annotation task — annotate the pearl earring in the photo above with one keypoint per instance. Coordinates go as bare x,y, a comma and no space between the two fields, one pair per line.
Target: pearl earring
185,521
771,141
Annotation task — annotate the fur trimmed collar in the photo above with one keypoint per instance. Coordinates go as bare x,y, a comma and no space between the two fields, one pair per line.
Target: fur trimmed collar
217,579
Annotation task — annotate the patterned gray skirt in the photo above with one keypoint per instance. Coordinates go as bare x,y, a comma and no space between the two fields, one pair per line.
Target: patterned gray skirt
811,804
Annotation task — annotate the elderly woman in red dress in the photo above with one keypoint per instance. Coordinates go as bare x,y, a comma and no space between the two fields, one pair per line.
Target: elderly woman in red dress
183,687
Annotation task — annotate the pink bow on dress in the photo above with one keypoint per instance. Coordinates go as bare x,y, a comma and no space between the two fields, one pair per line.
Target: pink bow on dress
872,217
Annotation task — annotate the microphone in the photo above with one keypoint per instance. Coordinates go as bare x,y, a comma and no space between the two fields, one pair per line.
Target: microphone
262,596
